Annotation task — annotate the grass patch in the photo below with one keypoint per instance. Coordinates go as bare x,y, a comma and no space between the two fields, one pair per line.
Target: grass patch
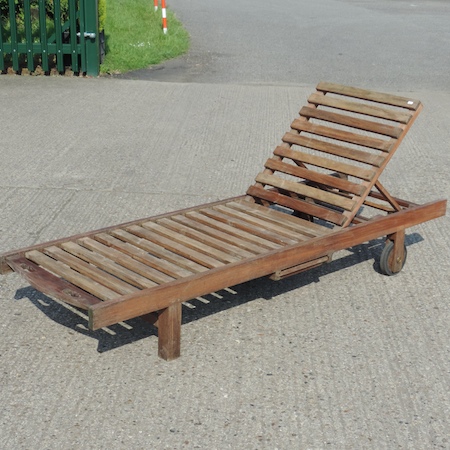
134,36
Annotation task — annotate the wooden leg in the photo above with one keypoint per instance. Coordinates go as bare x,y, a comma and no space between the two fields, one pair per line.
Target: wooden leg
398,253
169,332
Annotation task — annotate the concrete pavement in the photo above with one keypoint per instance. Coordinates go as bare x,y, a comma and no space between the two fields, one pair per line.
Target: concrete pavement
339,357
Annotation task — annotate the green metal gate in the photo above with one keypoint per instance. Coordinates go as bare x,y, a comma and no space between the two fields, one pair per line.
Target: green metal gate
69,36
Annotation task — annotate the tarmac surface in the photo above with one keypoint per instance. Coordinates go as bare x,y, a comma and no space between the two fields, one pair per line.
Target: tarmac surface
339,357
391,44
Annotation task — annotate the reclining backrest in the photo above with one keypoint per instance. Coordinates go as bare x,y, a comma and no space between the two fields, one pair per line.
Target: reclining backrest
335,151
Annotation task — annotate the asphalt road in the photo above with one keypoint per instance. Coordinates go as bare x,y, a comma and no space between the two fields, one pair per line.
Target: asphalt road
385,43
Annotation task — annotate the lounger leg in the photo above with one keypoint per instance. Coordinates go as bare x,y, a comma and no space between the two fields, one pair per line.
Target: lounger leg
398,257
169,332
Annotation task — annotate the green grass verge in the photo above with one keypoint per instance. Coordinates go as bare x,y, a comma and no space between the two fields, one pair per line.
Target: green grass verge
134,36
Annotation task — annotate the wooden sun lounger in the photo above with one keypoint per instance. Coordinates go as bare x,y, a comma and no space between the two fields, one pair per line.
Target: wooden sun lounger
319,193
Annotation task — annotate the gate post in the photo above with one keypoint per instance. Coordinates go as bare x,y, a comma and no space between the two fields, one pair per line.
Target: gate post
92,43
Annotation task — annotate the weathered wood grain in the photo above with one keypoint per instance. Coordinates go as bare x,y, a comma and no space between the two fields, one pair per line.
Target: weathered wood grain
161,297
334,149
351,121
360,108
379,97
341,135
326,163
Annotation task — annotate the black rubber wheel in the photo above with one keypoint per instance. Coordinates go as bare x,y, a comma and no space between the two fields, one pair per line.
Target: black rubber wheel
386,262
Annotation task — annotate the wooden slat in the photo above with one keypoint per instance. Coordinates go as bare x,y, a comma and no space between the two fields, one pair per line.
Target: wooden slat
297,204
142,256
326,163
189,242
108,265
212,241
360,219
262,243
401,202
364,94
350,121
253,215
96,274
175,247
334,149
297,224
125,260
295,270
178,291
50,284
158,251
244,225
379,206
282,234
316,177
341,135
71,275
216,232
4,268
306,191
360,108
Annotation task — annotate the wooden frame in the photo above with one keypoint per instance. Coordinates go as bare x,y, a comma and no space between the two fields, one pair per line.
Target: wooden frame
305,205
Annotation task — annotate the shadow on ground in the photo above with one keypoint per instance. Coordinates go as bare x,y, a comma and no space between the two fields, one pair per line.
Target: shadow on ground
135,329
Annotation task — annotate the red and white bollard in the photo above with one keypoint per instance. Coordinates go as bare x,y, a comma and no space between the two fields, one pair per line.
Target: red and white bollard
155,2
164,16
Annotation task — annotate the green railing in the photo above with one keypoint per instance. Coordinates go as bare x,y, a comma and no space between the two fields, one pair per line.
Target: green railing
34,38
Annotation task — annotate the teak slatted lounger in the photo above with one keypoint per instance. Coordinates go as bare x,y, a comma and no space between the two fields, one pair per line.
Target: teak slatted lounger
305,205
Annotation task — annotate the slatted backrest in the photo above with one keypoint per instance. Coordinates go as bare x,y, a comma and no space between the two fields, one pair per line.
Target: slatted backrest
335,152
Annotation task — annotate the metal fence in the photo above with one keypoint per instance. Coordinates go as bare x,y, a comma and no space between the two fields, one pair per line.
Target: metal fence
30,36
